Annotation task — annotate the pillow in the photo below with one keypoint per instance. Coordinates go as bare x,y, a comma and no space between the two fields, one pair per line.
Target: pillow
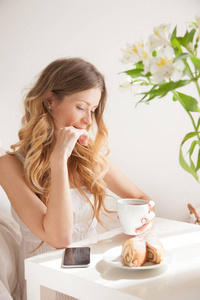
10,239
3,198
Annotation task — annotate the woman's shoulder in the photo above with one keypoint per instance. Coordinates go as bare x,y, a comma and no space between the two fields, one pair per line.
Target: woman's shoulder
8,158
8,163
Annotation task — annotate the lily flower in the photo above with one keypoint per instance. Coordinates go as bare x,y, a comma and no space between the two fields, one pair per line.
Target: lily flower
198,26
129,56
137,52
179,67
163,67
126,83
161,37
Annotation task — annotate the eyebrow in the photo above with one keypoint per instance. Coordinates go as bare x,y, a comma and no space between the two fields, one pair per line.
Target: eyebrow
87,103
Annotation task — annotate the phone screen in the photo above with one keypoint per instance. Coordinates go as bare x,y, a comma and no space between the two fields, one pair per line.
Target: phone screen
76,257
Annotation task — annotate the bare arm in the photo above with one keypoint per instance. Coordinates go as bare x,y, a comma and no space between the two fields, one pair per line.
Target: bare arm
119,184
44,222
52,224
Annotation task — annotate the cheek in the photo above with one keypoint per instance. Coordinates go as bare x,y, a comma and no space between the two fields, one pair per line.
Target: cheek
66,116
61,119
69,118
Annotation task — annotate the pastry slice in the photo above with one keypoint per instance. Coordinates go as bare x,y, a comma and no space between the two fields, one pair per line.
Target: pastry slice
134,252
155,250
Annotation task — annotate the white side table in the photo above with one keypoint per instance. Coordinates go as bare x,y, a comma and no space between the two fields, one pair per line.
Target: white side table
180,279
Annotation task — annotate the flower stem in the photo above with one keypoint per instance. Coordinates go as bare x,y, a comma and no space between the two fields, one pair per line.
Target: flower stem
193,122
197,85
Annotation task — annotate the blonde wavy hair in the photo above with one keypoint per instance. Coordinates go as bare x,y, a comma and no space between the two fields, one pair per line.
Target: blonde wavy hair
36,137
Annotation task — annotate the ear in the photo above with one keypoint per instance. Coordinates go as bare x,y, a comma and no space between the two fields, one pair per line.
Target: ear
49,100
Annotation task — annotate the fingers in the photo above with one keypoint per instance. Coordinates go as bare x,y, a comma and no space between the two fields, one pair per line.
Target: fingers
151,204
83,137
66,139
144,228
74,134
148,218
147,221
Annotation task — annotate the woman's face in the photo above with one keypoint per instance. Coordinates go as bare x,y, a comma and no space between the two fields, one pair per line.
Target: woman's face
76,109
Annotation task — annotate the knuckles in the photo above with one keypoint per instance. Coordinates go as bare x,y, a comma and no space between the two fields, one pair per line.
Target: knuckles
73,132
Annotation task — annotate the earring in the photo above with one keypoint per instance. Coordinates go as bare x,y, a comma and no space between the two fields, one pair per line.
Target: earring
49,107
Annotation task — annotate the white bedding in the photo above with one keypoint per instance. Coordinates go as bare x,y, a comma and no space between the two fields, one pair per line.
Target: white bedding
10,239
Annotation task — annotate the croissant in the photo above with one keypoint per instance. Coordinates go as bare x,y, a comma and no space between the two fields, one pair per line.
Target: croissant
134,252
155,250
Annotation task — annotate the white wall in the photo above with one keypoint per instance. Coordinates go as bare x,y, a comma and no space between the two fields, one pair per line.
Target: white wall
144,141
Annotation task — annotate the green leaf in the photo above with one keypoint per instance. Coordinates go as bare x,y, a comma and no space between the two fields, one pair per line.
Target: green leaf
162,89
134,73
154,53
189,136
198,123
192,164
193,145
196,62
187,70
185,165
177,47
191,150
139,65
175,98
175,43
188,102
198,162
182,56
191,169
174,32
194,23
137,71
188,38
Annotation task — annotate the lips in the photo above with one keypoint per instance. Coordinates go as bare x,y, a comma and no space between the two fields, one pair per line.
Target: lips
78,127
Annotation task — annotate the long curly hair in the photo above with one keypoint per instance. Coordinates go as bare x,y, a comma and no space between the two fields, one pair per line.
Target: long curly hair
63,77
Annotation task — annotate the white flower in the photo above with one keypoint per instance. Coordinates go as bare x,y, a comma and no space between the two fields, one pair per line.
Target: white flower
129,55
137,52
162,64
146,58
179,67
163,67
161,37
126,83
198,25
190,46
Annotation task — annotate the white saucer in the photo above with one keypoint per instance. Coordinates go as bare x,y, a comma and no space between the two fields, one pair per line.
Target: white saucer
113,258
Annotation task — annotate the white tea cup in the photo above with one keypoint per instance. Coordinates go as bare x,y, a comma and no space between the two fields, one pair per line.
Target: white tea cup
131,212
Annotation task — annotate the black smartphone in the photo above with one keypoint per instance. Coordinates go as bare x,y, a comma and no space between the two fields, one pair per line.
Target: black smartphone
76,257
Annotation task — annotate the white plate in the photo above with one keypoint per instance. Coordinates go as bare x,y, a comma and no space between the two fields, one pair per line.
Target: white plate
113,258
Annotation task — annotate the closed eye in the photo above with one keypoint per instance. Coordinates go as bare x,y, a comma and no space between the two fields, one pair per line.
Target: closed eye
80,108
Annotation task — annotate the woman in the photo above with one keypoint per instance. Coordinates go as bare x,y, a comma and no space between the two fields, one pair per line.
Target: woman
56,176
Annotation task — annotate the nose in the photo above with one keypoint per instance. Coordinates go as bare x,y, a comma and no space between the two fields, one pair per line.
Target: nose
87,119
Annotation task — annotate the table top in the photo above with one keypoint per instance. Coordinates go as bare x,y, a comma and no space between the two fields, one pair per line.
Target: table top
179,278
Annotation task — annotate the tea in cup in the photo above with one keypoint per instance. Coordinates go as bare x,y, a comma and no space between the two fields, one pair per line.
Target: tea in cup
131,212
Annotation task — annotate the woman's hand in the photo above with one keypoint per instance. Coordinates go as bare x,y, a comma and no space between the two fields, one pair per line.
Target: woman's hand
66,139
147,220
